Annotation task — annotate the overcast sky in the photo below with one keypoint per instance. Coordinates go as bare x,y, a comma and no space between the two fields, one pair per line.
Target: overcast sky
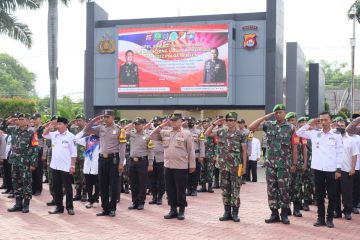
320,27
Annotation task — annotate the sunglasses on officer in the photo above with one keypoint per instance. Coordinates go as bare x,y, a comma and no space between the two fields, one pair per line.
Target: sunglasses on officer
230,120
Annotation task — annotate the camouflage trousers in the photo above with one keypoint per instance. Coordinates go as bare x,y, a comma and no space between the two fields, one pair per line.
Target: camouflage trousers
277,180
309,184
207,171
22,181
296,184
79,177
230,184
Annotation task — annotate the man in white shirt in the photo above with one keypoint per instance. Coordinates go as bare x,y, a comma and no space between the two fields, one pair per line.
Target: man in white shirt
253,158
344,185
327,148
62,164
356,185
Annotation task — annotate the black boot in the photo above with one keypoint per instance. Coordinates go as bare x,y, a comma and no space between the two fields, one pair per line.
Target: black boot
210,189
25,208
84,196
284,216
126,190
188,191
227,214
306,206
296,211
203,188
274,217
159,199
181,215
154,200
77,196
193,192
235,214
172,214
18,206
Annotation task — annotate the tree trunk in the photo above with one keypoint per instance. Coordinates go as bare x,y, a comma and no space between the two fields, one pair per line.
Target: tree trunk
52,52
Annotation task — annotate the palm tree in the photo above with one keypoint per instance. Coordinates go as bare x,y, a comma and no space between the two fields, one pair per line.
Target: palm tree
10,25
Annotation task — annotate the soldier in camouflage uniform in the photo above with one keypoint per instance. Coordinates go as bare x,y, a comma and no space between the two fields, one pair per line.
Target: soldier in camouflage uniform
280,152
308,177
207,166
231,160
24,158
76,126
296,181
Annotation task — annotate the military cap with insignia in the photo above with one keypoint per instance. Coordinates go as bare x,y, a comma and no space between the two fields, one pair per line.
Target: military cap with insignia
290,115
62,120
338,119
157,118
15,114
139,121
302,119
80,116
175,116
109,112
279,107
207,120
124,120
190,119
231,115
36,116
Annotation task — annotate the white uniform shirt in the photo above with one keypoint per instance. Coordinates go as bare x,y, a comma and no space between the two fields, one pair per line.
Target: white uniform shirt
90,165
255,149
327,148
357,142
63,149
350,150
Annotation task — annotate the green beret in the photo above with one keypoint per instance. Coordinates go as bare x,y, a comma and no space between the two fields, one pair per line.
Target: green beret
279,107
233,115
124,120
339,119
302,119
289,115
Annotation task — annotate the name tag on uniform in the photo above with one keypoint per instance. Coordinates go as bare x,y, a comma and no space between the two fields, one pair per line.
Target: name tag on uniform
180,142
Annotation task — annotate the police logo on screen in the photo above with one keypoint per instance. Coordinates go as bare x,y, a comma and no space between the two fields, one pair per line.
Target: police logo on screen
249,41
106,45
191,36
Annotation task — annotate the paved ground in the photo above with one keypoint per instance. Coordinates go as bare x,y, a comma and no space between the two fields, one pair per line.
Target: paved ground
201,221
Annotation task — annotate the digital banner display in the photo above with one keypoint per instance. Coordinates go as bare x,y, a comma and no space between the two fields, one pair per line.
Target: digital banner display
173,61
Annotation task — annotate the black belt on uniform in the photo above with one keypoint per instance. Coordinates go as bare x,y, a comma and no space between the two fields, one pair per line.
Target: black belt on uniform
197,151
108,155
138,159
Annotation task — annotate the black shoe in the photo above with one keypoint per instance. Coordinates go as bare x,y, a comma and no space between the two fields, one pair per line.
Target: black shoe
159,201
329,223
319,223
181,215
56,211
288,211
103,213
3,187
193,193
216,185
210,189
71,211
84,197
26,205
284,216
11,196
51,203
203,188
227,214
235,214
188,192
133,206
347,216
126,190
153,201
6,192
296,211
355,210
17,207
112,214
306,207
337,215
37,194
274,217
172,214
358,205
77,197
140,207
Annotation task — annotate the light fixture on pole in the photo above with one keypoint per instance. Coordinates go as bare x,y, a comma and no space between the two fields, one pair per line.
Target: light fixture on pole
352,15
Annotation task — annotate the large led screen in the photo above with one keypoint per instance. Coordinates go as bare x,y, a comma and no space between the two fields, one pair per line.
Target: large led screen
173,61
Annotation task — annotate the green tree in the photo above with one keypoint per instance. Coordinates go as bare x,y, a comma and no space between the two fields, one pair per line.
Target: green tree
10,105
15,79
10,25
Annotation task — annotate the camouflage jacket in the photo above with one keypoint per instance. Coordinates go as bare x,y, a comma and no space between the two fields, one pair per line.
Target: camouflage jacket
80,149
229,147
279,144
24,147
210,147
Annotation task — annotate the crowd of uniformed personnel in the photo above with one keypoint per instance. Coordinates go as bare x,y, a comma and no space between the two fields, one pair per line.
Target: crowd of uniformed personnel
181,156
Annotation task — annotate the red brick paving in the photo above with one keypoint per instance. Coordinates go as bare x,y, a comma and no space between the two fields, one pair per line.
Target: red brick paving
201,221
